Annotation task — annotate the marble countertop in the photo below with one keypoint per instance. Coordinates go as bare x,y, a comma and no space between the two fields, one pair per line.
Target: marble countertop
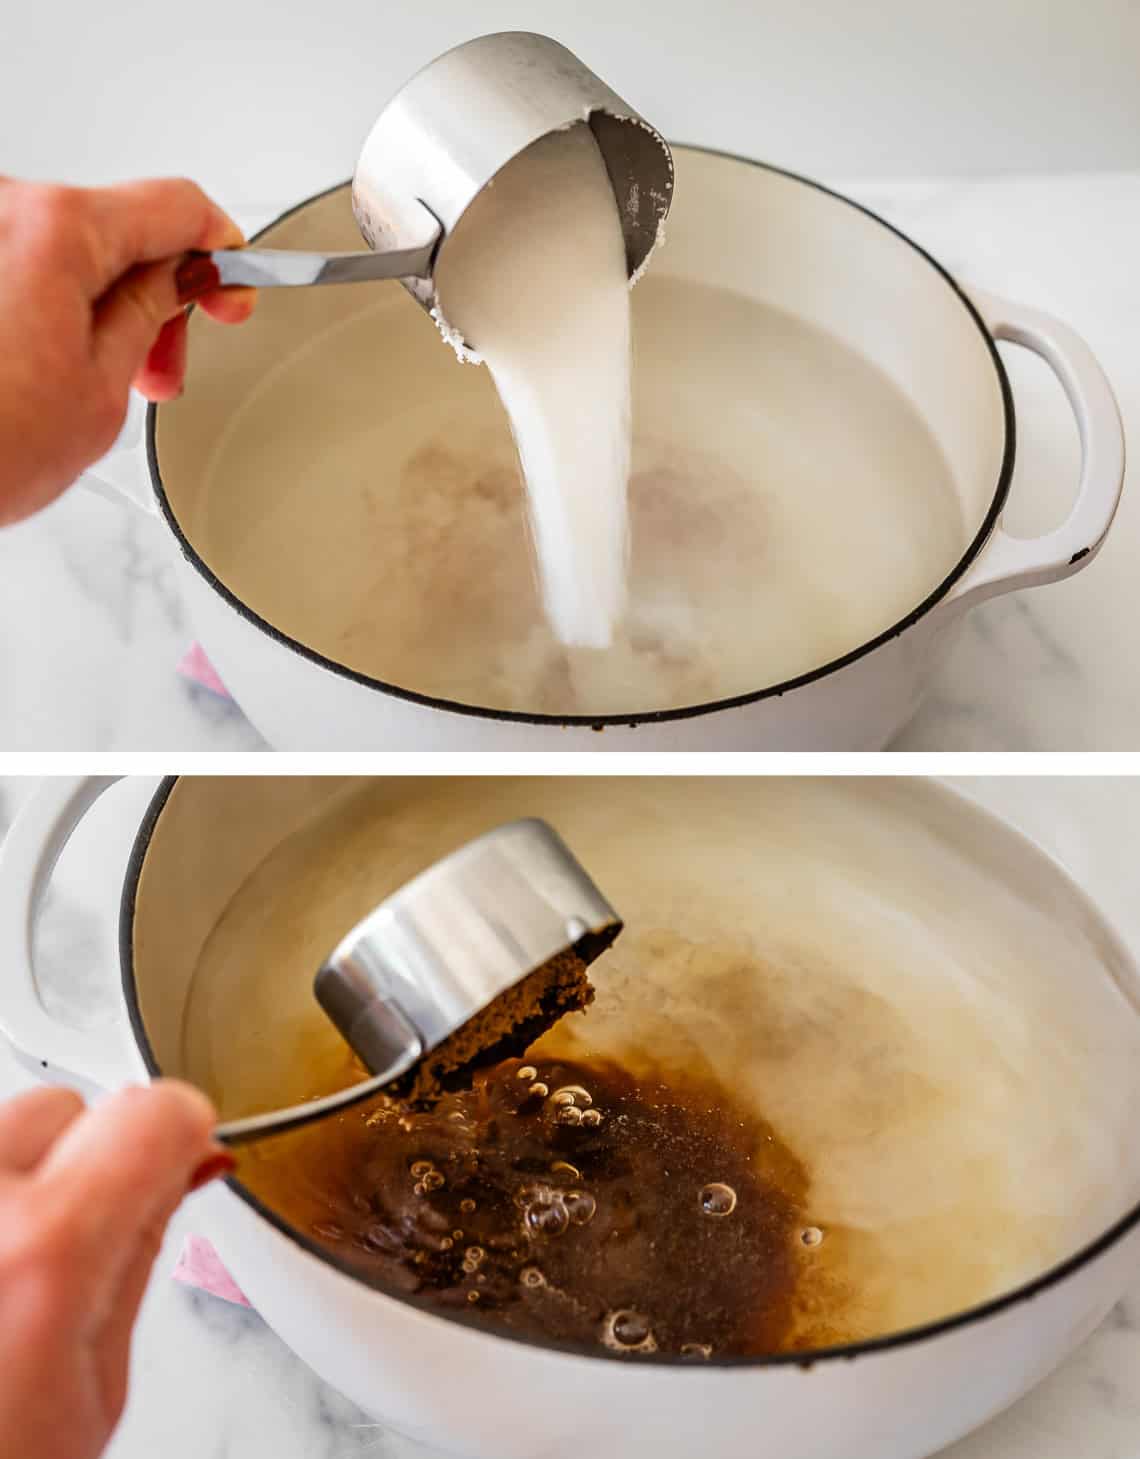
211,1380
91,627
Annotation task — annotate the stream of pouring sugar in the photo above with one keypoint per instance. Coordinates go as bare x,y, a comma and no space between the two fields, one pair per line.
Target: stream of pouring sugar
534,278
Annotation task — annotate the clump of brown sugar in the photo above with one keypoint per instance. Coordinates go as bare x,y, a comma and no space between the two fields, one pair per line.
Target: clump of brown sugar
505,1029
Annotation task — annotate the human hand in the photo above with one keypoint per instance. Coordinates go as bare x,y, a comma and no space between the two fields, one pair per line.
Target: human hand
85,1197
88,305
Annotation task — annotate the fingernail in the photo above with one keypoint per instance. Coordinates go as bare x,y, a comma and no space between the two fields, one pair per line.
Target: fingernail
212,1169
196,275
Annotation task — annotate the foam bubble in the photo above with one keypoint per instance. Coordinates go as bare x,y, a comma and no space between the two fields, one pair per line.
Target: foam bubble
717,1199
528,1071
532,1276
811,1236
569,1114
547,1220
626,1331
580,1207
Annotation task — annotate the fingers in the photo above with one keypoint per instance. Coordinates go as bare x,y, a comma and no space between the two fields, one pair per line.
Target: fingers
145,222
140,233
165,366
111,1340
128,318
79,1237
124,1166
31,1123
229,306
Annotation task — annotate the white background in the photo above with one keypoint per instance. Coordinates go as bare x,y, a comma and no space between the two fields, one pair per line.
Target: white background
264,99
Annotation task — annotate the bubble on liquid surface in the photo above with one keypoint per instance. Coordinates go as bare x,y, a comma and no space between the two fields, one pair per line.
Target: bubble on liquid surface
547,1220
466,1205
570,1115
591,1118
528,1071
475,1254
811,1236
562,1097
580,1206
539,1091
532,1277
696,1350
563,1167
717,1199
573,1094
626,1331
420,1168
433,1180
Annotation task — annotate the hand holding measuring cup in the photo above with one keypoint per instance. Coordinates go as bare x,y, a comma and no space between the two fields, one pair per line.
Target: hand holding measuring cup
89,305
85,1197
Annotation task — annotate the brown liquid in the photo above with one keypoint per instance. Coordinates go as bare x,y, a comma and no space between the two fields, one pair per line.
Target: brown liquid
572,1201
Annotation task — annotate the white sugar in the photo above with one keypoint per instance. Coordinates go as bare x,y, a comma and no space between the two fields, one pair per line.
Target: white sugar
534,281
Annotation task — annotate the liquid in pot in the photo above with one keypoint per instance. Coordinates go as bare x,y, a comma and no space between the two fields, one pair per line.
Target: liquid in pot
918,1046
577,1203
787,503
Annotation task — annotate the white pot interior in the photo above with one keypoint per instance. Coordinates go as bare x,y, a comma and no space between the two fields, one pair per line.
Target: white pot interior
819,439
927,1014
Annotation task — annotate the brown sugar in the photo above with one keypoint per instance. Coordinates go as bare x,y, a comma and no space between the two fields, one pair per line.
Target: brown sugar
505,1029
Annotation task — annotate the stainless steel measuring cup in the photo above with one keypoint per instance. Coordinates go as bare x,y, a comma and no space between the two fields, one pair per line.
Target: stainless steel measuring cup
441,140
442,949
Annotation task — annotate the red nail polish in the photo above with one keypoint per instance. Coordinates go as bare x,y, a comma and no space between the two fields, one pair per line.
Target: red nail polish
196,275
211,1169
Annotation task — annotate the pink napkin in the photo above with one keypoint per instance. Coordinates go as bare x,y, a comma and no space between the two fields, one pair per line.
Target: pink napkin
200,1266
195,666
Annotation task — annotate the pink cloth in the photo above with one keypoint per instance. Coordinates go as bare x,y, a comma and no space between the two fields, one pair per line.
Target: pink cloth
200,1266
194,665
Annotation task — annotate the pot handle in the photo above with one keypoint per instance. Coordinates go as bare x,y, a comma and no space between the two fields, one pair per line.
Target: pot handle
1009,562
56,1051
121,476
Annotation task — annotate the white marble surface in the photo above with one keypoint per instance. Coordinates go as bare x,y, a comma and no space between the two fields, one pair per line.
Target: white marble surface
91,626
211,1381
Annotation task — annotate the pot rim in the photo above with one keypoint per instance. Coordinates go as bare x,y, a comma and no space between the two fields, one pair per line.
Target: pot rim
653,716
847,1352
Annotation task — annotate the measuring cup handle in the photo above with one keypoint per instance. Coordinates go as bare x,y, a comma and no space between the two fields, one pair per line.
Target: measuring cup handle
55,1051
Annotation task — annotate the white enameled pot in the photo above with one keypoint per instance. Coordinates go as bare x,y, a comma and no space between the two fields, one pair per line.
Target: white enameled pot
774,238
470,1392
